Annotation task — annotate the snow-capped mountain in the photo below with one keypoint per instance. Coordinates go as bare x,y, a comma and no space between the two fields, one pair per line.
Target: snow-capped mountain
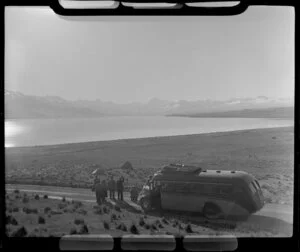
18,105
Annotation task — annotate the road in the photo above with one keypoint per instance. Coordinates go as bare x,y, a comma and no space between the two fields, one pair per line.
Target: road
271,216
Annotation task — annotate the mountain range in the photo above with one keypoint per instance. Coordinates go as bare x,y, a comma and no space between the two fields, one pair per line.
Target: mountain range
19,105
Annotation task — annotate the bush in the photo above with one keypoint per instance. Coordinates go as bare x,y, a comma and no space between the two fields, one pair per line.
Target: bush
47,209
77,204
11,220
25,199
73,231
153,226
41,220
98,211
55,212
15,209
106,225
30,210
45,196
83,229
105,210
122,227
36,197
79,221
188,228
64,199
117,208
113,217
158,223
20,232
16,191
82,211
164,220
142,222
147,226
133,229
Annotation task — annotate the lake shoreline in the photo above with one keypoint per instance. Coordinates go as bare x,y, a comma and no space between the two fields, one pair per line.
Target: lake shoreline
145,138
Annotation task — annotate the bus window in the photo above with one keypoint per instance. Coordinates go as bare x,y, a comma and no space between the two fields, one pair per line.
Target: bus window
226,189
252,188
256,182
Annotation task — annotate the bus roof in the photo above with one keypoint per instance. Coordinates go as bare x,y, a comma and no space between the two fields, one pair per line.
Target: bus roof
203,175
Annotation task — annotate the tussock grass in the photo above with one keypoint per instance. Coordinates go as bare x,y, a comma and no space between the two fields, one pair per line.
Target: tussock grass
133,229
106,225
47,209
142,222
20,232
11,220
41,220
122,227
78,221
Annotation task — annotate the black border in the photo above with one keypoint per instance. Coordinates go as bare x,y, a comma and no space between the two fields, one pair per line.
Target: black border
244,244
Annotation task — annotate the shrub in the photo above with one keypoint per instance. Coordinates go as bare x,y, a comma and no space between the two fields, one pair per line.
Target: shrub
55,212
47,209
15,209
105,209
117,208
73,231
158,223
147,226
82,211
188,228
153,226
41,220
122,227
98,211
45,196
20,232
25,199
106,225
83,229
64,199
142,222
11,220
133,229
79,221
36,197
113,217
77,204
30,210
16,191
164,220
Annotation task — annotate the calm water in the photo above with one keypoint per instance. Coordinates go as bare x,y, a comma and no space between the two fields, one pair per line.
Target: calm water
31,132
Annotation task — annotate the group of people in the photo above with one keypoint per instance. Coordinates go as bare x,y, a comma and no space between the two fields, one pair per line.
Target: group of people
112,186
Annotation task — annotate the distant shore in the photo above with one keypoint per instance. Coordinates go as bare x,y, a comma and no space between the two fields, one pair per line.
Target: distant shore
265,153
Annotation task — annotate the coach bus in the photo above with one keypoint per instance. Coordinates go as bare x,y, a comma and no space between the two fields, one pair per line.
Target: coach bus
216,194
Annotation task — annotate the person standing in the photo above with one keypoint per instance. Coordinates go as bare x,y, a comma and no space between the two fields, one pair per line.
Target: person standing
103,190
111,187
120,187
98,189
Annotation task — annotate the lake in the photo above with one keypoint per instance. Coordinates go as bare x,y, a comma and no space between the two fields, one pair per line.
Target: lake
35,132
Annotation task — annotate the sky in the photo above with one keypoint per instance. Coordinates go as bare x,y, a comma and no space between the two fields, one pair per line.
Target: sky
134,59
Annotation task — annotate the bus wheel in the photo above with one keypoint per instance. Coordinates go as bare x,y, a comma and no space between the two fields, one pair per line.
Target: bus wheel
146,204
212,211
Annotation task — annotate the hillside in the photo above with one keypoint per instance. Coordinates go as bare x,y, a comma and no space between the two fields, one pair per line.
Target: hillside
281,112
18,105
